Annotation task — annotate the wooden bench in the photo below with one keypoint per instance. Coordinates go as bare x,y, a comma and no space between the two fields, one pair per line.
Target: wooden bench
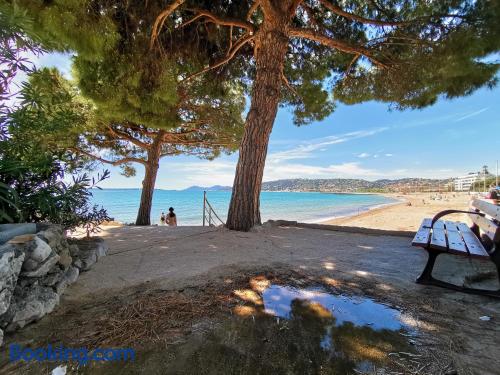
481,241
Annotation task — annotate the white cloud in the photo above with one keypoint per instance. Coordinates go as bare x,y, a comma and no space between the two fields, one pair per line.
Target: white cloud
389,155
305,150
363,155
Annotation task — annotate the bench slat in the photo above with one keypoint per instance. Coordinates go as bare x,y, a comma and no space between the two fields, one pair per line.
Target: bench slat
438,225
423,234
487,226
474,246
456,243
487,207
438,238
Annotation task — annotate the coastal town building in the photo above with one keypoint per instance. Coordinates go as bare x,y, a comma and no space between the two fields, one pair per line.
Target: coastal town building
464,183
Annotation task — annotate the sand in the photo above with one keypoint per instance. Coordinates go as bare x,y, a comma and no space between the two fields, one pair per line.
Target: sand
402,216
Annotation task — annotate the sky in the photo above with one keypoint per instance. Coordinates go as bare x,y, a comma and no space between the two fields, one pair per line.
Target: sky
366,141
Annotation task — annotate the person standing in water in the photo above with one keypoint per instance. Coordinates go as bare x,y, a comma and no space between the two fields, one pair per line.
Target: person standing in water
171,218
162,218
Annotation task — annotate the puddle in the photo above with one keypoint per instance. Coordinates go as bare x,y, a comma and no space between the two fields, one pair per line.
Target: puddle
279,301
299,331
285,331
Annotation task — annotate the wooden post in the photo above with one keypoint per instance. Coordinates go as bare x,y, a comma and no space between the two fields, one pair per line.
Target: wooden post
204,206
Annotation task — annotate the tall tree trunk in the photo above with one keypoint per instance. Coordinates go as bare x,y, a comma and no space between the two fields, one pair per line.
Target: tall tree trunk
148,184
271,44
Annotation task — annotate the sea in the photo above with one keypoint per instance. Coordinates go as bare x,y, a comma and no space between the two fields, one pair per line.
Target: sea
310,207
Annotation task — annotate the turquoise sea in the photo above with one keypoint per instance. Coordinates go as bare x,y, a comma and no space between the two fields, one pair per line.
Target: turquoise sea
122,204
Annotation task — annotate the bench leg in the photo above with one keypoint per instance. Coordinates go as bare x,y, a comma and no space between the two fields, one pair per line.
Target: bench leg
426,276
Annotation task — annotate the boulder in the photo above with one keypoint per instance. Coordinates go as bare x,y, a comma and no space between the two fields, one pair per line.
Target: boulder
44,268
34,248
74,250
89,251
31,305
53,235
68,278
11,260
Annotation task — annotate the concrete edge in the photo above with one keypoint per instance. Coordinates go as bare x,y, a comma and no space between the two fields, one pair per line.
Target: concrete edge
340,228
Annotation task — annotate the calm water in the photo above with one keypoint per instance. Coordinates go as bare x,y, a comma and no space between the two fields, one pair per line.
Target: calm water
122,204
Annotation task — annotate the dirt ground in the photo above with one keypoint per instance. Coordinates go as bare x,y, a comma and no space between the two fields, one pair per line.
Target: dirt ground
161,284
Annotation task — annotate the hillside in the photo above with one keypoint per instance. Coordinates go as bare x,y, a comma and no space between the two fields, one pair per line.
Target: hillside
356,185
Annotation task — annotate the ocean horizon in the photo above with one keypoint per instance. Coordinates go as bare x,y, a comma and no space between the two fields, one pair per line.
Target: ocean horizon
122,204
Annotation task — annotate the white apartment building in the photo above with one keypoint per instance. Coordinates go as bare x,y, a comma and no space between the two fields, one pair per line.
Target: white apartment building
464,183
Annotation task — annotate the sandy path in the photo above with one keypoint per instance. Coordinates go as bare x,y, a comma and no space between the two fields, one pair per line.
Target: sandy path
404,217
380,266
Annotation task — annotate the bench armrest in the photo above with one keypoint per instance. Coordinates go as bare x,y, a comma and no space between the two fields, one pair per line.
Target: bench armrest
448,212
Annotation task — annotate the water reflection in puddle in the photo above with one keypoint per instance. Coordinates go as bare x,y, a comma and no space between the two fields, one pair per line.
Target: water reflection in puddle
279,300
298,331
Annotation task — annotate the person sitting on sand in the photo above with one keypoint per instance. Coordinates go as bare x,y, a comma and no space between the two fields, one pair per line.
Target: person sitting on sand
162,218
171,218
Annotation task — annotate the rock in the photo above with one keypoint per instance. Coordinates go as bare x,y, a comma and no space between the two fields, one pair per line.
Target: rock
77,263
90,250
34,248
53,235
44,268
88,259
65,260
11,260
1,337
74,250
68,278
30,306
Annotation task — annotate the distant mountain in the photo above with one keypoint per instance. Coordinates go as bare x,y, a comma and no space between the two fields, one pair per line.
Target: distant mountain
347,185
211,188
343,185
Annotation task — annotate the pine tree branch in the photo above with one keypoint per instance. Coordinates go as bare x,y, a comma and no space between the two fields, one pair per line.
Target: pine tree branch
160,20
253,9
126,136
335,43
111,162
230,55
339,11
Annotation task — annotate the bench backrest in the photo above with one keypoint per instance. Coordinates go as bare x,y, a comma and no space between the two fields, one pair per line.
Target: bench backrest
488,224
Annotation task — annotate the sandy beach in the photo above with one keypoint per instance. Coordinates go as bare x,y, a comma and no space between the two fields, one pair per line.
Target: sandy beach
402,216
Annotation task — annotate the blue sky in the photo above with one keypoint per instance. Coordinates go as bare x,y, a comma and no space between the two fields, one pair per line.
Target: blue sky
366,141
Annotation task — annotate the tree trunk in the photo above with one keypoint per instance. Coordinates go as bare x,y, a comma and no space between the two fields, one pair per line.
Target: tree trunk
271,44
148,184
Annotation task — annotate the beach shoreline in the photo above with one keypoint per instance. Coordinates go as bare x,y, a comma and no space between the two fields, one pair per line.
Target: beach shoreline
408,213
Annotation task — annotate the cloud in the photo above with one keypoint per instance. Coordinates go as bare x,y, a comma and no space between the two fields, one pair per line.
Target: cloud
363,155
389,155
306,150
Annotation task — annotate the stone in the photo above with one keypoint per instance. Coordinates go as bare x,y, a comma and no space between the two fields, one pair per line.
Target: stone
77,263
34,248
30,306
52,279
74,250
53,235
65,260
1,337
90,250
11,260
68,278
44,268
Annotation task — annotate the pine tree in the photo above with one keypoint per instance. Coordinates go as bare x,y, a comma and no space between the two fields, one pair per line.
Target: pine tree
406,53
